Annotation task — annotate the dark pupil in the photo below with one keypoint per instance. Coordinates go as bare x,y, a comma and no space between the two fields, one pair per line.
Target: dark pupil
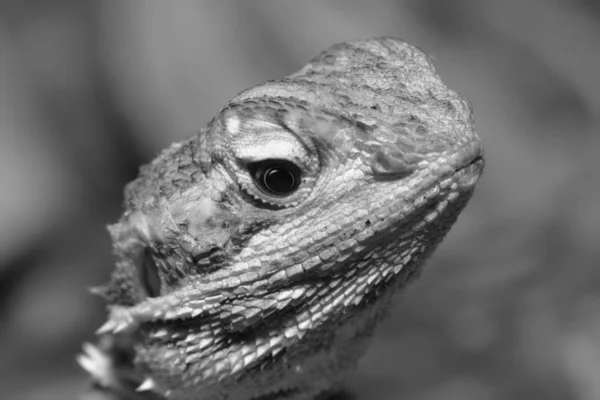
276,177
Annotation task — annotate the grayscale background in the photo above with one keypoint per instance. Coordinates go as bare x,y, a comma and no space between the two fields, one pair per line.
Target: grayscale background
509,306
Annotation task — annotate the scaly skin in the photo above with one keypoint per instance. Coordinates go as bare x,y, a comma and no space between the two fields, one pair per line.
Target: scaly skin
223,290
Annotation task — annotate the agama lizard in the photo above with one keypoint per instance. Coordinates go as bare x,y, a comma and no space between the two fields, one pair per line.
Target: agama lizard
255,259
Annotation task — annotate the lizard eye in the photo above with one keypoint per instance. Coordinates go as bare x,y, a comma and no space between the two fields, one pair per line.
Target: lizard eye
278,178
268,153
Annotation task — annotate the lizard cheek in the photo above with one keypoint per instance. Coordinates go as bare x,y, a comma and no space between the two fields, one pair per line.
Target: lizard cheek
149,277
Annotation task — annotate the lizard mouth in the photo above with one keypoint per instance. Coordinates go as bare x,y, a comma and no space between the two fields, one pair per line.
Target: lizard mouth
476,161
472,168
468,165
160,267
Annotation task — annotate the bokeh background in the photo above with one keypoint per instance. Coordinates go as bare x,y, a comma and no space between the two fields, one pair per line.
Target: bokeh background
508,308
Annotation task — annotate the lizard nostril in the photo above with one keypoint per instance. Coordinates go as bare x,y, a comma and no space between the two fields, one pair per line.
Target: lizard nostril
149,275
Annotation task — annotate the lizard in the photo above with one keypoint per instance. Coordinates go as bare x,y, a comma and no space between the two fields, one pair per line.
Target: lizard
254,260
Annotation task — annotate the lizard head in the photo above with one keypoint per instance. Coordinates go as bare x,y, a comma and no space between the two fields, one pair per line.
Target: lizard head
256,256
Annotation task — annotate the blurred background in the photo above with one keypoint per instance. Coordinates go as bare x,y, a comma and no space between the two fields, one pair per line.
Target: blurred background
509,306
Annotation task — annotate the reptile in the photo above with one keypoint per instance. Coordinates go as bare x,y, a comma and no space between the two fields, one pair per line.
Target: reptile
254,260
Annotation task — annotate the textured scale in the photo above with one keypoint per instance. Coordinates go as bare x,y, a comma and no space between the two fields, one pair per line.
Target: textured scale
223,290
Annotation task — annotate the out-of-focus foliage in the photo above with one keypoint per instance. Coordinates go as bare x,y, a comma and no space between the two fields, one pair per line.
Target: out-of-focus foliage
508,308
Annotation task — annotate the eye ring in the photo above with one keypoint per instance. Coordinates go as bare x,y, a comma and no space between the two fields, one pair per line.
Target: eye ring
275,177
